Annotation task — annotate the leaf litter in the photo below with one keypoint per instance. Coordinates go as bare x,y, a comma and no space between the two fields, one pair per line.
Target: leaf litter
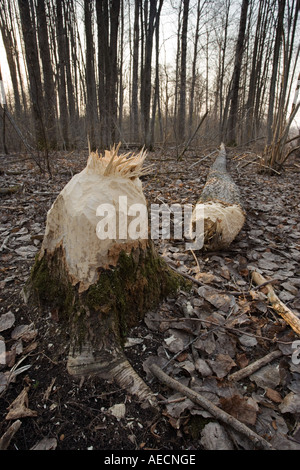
199,338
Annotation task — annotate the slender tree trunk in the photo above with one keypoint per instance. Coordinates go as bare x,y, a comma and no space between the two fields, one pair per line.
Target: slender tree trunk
277,46
223,117
112,80
5,27
91,105
147,73
182,91
156,97
3,123
69,75
120,71
234,100
135,65
49,90
177,75
62,91
34,73
193,83
102,28
108,24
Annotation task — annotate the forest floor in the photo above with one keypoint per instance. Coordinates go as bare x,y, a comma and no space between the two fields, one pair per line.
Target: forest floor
199,337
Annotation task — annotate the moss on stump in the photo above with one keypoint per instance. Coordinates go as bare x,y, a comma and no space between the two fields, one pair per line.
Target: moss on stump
97,320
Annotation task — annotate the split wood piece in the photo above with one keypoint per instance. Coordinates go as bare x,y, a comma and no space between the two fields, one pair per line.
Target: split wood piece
251,368
217,412
277,304
9,434
219,208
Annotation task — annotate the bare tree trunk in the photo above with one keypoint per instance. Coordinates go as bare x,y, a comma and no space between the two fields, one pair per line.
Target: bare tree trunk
6,27
182,90
69,76
146,76
224,106
3,123
49,90
120,71
135,64
62,91
277,46
108,23
195,56
255,76
102,28
156,96
112,79
91,105
234,92
34,73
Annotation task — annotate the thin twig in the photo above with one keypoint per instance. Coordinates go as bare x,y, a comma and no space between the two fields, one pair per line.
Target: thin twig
251,368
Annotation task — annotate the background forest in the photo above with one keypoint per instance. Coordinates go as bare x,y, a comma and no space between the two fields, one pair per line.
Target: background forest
93,73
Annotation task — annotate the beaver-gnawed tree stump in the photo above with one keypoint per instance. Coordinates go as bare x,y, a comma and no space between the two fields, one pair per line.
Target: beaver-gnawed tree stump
100,286
220,206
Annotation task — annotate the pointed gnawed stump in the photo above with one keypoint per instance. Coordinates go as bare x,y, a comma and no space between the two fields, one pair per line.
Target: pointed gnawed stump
101,287
220,206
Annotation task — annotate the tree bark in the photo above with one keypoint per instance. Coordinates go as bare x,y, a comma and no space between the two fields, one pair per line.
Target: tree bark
34,73
182,89
278,41
9,49
146,75
135,65
193,81
234,93
49,90
91,105
219,207
156,96
102,28
62,91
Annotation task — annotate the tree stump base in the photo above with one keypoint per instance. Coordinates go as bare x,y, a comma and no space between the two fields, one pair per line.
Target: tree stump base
95,323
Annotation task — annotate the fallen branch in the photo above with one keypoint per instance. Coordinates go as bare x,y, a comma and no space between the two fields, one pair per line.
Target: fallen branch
251,368
217,412
277,304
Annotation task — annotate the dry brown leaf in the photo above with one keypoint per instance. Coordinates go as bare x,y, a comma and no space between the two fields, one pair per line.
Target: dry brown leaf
19,407
239,407
273,395
222,364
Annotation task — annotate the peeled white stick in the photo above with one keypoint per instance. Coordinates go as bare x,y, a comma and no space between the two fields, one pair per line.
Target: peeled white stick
277,304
